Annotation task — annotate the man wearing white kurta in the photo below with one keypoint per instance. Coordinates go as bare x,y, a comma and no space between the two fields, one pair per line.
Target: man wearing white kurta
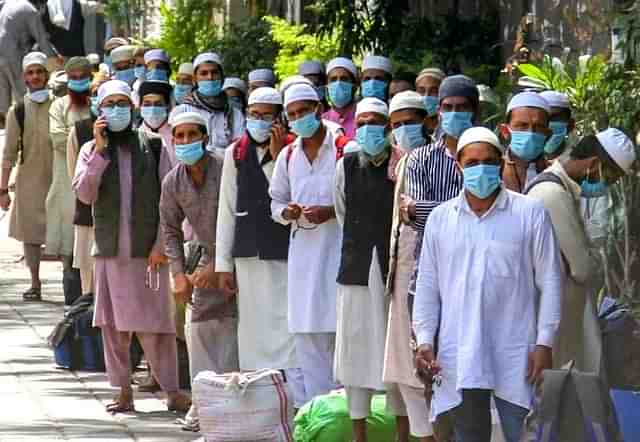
364,209
253,245
302,190
490,287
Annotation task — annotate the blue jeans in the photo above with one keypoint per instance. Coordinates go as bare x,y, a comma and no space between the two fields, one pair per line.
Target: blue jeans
472,418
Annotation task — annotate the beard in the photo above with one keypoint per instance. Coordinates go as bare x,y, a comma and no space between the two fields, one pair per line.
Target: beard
79,99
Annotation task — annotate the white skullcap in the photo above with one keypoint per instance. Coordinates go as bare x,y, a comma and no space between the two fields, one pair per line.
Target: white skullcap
186,118
264,75
207,57
294,79
376,62
236,83
186,69
556,99
300,92
344,63
531,84
619,147
113,87
311,67
179,109
34,58
431,72
114,42
156,55
371,104
93,58
265,95
528,99
122,53
406,100
479,134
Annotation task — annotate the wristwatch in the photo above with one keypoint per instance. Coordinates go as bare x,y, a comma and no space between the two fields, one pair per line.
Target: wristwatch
4,192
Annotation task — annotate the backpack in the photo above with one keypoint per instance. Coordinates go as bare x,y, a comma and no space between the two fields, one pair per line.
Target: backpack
19,112
544,177
339,142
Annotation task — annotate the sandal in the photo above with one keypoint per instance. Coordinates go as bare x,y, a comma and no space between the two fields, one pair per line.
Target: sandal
33,294
118,407
180,404
192,425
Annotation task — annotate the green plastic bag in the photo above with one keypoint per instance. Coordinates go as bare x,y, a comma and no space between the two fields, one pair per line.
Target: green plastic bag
326,419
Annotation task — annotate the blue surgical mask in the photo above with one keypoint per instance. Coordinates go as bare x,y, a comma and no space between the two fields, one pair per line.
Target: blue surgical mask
210,88
593,189
79,86
180,91
94,106
259,130
340,93
527,145
374,88
431,104
190,153
560,130
141,72
118,118
481,180
371,138
39,96
455,123
158,75
306,127
126,75
236,101
409,136
154,116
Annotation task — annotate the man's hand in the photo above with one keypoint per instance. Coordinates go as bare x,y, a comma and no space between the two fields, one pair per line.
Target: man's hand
157,258
5,201
425,360
318,214
277,139
205,277
292,212
539,360
182,288
407,209
227,283
99,128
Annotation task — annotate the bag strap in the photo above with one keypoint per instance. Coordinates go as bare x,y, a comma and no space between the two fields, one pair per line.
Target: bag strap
544,177
548,411
595,413
284,405
20,111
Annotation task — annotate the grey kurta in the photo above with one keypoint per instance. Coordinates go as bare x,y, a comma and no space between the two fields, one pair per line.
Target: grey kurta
20,26
33,178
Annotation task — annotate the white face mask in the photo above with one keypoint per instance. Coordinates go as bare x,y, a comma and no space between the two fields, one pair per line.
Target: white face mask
39,96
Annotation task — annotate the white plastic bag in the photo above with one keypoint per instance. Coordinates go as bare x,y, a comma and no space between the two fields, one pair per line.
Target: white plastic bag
244,407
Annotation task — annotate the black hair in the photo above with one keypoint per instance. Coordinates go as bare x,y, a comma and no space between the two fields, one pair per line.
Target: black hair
409,77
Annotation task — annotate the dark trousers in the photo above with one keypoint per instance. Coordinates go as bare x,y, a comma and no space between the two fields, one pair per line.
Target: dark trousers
472,418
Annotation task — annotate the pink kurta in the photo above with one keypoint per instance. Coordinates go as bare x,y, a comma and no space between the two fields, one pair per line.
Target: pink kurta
122,299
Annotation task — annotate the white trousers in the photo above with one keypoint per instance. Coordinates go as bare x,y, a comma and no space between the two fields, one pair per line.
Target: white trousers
315,358
404,400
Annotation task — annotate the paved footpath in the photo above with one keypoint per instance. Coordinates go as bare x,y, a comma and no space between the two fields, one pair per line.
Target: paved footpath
39,402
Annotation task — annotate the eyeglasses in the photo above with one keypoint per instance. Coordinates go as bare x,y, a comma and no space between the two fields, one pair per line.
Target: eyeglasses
269,118
119,104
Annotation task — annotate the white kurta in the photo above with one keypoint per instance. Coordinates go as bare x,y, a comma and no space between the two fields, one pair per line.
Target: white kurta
492,285
264,340
361,319
314,251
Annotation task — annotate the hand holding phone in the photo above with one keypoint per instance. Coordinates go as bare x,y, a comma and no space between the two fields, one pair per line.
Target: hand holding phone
100,133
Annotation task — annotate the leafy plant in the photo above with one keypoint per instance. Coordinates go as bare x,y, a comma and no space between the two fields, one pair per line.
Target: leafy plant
295,45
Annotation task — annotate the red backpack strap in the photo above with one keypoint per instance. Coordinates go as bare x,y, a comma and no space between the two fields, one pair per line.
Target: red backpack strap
240,148
289,153
290,138
340,143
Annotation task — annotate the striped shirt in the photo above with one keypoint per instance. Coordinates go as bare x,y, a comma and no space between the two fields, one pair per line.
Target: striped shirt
432,178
